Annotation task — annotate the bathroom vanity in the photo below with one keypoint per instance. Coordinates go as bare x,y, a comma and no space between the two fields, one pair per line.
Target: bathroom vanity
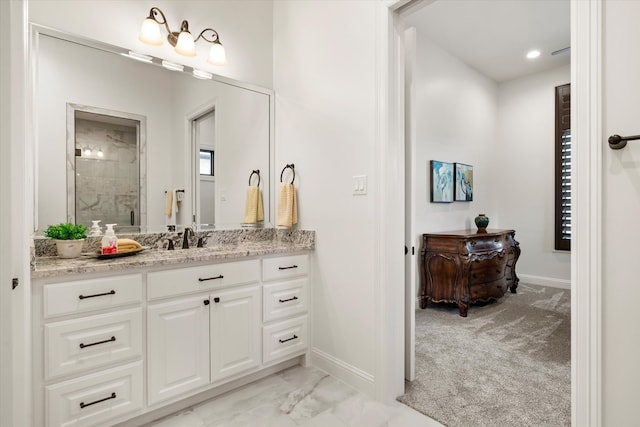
132,339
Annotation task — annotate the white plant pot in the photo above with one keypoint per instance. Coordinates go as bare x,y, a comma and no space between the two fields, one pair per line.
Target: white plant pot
69,248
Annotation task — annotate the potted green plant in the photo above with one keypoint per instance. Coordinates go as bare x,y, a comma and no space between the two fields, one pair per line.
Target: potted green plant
69,238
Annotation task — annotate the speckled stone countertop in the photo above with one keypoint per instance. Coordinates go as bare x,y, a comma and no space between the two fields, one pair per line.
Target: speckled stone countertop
227,246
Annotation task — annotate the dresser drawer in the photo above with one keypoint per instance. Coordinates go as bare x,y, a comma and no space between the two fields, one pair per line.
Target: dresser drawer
95,399
89,295
488,270
284,339
284,299
162,284
285,267
76,345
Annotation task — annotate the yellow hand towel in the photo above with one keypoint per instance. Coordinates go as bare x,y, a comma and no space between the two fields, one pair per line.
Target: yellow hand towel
253,210
127,245
287,205
169,204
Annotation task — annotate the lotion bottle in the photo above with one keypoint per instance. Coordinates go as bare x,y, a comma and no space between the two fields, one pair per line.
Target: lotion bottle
109,241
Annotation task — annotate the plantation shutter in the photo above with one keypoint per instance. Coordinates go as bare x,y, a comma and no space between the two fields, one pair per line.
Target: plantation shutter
563,168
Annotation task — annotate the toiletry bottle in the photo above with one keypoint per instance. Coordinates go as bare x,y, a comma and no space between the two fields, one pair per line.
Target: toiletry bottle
109,241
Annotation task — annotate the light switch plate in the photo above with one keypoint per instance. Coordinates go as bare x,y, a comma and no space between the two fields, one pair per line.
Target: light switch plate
359,185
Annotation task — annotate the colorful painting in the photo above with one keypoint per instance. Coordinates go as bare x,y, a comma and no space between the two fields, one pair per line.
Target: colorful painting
464,183
441,182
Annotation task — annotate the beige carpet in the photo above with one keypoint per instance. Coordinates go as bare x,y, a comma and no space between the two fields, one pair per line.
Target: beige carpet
506,364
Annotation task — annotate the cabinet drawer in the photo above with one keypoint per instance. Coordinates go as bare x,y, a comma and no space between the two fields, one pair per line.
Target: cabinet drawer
284,339
95,399
162,284
284,299
284,267
94,294
488,270
76,345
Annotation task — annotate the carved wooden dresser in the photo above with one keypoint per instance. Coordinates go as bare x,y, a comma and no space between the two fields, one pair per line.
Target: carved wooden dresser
464,267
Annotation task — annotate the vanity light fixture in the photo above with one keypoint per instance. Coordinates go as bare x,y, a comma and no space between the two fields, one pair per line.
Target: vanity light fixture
182,41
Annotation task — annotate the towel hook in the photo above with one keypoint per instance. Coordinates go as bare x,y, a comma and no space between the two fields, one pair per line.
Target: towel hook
255,172
291,166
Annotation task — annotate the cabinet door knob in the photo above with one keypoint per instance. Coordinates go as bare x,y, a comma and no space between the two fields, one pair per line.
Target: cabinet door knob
205,302
216,300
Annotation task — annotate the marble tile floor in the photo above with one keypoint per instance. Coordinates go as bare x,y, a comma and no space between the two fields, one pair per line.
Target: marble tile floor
297,396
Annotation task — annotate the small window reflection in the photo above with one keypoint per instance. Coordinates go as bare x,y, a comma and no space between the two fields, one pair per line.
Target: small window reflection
206,162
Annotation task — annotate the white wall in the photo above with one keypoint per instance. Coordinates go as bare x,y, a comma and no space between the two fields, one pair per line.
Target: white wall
454,111
324,63
506,131
245,29
525,161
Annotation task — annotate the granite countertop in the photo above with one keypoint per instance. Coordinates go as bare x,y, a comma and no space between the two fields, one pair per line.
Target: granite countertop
53,266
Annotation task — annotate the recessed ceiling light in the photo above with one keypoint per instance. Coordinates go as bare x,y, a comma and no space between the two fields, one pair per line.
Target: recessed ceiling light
533,54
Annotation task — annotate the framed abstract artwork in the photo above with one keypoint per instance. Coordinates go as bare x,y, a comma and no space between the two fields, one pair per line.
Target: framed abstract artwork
463,183
441,182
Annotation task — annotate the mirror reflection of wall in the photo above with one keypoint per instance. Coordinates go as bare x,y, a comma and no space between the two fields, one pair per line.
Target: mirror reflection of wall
68,72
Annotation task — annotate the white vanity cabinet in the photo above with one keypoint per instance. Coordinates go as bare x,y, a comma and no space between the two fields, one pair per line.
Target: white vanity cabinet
122,348
285,306
88,350
202,338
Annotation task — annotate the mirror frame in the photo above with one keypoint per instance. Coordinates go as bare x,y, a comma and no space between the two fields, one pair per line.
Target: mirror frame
35,30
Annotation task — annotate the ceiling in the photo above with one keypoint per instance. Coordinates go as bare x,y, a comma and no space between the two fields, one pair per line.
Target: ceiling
494,36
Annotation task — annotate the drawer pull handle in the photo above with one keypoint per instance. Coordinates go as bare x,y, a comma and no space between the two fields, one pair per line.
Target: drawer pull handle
288,339
82,345
200,279
288,299
84,405
287,268
111,292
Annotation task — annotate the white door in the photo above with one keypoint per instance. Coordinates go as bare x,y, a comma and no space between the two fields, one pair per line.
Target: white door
236,316
620,213
178,346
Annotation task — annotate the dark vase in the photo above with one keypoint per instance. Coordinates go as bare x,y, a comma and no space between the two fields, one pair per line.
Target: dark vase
481,222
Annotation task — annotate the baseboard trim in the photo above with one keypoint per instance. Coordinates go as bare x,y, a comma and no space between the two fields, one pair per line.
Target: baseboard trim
351,375
545,281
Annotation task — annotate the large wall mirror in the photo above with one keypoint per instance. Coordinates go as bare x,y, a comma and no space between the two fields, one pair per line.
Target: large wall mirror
115,135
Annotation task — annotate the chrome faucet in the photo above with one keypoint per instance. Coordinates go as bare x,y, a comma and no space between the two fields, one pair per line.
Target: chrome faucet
185,238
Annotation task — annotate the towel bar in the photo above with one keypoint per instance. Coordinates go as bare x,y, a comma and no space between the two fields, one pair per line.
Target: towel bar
291,166
256,172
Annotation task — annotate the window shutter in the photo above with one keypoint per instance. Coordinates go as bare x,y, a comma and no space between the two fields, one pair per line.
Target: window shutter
563,168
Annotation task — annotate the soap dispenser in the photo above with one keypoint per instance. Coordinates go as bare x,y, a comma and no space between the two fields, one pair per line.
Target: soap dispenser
109,241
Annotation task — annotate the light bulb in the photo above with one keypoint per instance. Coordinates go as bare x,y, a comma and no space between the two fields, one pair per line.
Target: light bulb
533,54
87,151
217,55
150,32
185,45
100,153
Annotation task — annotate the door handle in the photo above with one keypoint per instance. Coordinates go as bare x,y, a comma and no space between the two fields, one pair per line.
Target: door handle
617,142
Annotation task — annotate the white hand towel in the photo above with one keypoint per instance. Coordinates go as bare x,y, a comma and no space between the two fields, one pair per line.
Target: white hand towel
287,205
253,210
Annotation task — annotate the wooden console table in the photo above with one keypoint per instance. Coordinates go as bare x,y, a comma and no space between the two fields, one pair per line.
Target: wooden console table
464,267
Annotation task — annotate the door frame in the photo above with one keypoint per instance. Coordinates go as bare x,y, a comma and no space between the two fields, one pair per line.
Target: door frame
586,258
